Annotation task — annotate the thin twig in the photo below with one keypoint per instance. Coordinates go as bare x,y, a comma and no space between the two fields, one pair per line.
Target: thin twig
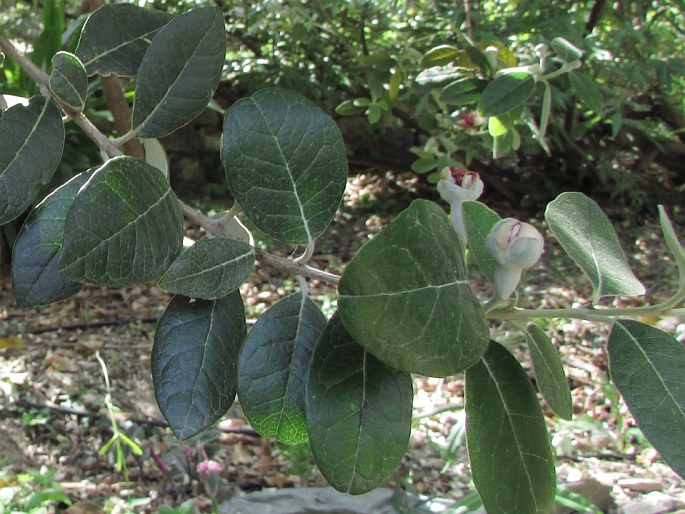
215,228
42,79
25,404
109,148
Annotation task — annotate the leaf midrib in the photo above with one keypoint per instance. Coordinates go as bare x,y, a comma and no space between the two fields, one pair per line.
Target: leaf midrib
166,194
406,291
300,205
141,125
653,368
519,446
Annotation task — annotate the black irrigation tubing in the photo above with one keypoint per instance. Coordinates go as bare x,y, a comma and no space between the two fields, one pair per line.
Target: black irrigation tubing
25,405
93,324
599,456
99,324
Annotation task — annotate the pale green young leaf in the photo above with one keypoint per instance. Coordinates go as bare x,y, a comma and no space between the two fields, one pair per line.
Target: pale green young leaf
647,366
509,449
209,269
25,129
273,366
38,248
155,155
179,72
586,234
124,227
439,56
546,109
505,93
194,359
566,50
549,372
116,36
358,412
478,221
68,80
285,163
405,298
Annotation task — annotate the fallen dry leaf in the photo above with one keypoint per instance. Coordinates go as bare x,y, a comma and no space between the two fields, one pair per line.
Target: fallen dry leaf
59,361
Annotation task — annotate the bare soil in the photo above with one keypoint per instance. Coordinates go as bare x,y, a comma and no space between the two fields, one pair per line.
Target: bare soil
52,414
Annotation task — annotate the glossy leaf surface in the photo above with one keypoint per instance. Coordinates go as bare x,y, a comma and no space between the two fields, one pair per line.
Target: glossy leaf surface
549,372
209,269
68,80
35,276
194,360
22,168
116,36
124,228
439,56
505,93
175,86
285,163
586,234
462,91
647,366
273,366
511,458
478,221
358,413
405,297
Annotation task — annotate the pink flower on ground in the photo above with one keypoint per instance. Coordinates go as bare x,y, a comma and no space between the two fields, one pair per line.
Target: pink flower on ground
208,467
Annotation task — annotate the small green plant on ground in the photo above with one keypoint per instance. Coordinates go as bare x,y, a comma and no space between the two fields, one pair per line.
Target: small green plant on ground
341,383
32,492
119,441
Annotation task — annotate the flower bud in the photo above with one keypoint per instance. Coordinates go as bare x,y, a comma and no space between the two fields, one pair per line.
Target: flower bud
457,185
515,246
208,467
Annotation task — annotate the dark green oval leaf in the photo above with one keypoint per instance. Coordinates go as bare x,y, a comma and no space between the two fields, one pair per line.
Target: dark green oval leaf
273,366
647,366
35,276
586,234
358,413
209,269
478,222
511,458
116,36
405,298
194,361
124,228
176,85
68,80
285,162
462,92
506,93
587,90
549,372
22,167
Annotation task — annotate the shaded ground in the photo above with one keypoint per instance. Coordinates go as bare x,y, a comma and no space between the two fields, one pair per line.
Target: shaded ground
52,416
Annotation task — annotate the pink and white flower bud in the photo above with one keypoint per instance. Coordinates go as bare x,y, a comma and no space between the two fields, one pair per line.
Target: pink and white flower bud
515,246
208,467
456,186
